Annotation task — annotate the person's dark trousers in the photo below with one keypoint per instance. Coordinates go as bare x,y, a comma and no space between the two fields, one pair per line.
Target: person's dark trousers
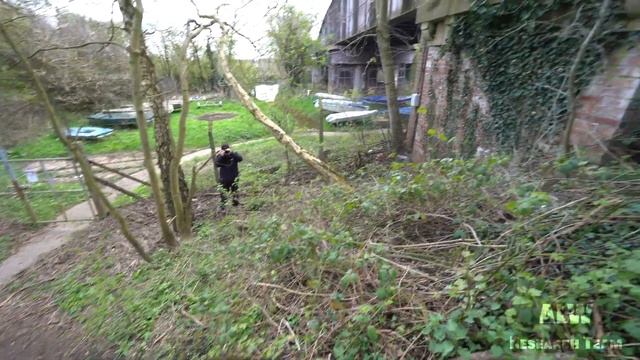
229,186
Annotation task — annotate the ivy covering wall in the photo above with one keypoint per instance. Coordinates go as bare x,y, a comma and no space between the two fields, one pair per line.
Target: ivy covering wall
523,51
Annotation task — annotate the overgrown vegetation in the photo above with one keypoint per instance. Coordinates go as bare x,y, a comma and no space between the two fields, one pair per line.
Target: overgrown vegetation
445,258
524,51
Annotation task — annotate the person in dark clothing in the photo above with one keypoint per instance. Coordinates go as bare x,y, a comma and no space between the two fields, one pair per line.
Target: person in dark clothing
227,161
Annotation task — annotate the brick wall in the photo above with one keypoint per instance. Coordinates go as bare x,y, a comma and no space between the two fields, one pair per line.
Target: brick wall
608,114
455,106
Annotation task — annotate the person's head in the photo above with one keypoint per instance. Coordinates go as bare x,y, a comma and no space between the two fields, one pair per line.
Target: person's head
226,149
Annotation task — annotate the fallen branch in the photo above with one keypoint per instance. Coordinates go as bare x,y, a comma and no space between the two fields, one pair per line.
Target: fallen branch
295,338
192,318
290,290
406,268
473,231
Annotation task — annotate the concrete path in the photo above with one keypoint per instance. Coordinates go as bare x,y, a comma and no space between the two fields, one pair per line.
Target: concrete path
55,235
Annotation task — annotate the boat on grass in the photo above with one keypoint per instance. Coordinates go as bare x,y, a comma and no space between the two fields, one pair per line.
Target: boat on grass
117,117
87,133
208,103
339,106
350,117
321,95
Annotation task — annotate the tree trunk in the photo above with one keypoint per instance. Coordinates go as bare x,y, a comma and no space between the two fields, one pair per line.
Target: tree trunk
418,80
133,16
212,146
74,149
318,165
161,122
164,142
321,154
388,68
181,211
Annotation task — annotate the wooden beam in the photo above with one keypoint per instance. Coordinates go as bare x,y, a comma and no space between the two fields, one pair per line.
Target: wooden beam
119,173
117,188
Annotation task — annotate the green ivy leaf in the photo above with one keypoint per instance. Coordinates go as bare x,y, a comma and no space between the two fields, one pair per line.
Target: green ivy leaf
372,333
444,348
496,351
519,300
455,331
534,292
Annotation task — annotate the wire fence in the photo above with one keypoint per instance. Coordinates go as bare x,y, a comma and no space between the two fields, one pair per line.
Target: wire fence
42,190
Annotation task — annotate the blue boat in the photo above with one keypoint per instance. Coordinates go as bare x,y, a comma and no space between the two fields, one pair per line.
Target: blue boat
118,117
382,100
405,111
87,133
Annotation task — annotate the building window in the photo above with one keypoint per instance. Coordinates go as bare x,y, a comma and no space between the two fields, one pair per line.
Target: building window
404,73
372,78
345,79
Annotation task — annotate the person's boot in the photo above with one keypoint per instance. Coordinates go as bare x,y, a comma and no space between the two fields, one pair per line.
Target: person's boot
235,200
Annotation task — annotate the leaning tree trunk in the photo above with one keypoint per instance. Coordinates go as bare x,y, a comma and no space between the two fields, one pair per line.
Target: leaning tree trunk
74,149
388,68
133,16
318,165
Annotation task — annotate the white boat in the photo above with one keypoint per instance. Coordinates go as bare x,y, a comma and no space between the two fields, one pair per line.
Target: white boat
339,105
350,116
330,96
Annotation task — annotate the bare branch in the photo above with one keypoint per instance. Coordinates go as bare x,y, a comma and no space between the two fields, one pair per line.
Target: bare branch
79,46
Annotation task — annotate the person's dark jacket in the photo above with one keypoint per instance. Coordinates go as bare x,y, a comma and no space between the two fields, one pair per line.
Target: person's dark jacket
228,164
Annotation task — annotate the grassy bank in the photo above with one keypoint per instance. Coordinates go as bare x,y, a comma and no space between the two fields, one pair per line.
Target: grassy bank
241,127
47,206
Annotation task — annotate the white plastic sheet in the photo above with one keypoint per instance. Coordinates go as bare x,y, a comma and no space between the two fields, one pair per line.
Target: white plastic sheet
267,93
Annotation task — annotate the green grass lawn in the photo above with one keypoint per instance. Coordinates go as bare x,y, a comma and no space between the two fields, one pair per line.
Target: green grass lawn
242,127
48,206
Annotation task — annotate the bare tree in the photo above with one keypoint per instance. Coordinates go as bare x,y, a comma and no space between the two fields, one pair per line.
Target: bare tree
182,210
132,16
74,148
388,68
164,141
